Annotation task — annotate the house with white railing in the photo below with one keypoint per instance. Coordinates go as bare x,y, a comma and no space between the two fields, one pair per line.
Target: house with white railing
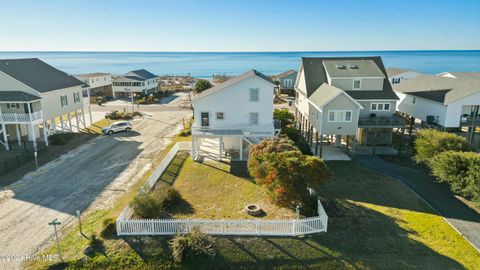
135,82
347,102
232,116
35,98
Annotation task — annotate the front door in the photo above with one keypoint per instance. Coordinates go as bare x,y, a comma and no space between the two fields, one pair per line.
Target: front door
205,119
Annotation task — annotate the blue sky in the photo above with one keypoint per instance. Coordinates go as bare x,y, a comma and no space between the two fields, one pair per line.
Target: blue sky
243,25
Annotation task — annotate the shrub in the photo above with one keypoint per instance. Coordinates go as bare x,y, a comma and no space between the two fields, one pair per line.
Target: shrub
298,139
189,245
285,117
153,204
285,171
60,138
109,228
461,170
187,128
202,85
430,142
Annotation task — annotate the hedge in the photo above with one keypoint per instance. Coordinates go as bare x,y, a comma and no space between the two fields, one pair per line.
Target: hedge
431,142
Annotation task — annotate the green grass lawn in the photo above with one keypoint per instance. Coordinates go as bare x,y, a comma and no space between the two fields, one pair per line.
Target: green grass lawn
375,223
209,190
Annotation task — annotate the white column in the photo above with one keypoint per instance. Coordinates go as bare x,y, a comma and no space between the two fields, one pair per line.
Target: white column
192,154
220,148
69,122
19,138
5,139
45,136
62,124
53,122
76,118
241,147
90,105
31,135
83,119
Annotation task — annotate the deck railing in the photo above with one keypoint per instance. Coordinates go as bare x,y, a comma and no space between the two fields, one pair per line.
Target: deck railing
381,121
285,227
20,117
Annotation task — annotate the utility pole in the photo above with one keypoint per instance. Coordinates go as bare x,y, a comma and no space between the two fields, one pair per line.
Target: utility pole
80,222
55,222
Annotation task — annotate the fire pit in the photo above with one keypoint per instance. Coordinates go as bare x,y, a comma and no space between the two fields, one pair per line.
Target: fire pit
253,210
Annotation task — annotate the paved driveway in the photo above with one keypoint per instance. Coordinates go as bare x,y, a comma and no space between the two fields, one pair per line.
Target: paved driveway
464,219
89,177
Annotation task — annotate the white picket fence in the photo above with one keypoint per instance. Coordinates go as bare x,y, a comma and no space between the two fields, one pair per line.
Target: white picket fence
286,227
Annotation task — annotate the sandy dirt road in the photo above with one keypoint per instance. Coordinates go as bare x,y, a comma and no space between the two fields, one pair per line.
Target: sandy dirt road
89,177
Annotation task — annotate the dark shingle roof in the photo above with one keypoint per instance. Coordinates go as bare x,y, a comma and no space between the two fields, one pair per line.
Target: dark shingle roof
315,75
142,73
37,74
283,74
17,96
435,95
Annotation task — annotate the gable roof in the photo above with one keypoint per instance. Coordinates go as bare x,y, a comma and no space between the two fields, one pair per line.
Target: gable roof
438,88
352,68
142,73
284,74
391,72
89,75
234,80
17,96
315,75
37,74
326,93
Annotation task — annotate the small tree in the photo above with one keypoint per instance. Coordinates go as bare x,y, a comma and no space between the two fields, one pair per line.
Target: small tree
430,142
285,117
461,170
189,245
202,85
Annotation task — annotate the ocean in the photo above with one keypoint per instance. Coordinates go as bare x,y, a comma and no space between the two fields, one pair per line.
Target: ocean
205,64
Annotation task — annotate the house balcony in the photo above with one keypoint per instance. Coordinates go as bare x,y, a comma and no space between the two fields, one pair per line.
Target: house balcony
245,131
470,121
21,118
381,122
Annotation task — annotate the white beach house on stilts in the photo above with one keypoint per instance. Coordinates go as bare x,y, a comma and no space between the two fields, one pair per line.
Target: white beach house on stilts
37,100
232,116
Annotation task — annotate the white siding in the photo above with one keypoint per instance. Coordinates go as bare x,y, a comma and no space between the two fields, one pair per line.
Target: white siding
456,109
234,102
421,108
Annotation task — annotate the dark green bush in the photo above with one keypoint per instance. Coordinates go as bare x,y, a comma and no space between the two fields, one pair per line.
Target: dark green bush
190,245
60,138
109,228
153,204
298,139
431,142
285,117
461,170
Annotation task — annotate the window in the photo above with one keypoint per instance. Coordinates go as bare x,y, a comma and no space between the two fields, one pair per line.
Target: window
13,105
287,82
395,80
63,100
253,118
379,107
253,94
220,115
339,116
356,84
76,97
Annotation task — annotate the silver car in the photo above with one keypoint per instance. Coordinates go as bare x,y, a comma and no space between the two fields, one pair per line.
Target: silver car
117,127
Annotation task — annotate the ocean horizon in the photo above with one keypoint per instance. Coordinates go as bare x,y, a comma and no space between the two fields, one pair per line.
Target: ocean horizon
206,64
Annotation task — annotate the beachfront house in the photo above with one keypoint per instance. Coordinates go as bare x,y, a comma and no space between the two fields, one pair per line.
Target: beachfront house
137,82
34,98
99,84
346,101
286,82
444,102
398,75
232,116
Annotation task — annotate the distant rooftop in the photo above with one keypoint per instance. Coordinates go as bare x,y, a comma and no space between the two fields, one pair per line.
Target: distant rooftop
89,75
461,75
142,73
286,73
391,72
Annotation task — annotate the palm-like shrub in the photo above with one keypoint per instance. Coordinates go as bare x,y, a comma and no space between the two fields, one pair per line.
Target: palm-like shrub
188,245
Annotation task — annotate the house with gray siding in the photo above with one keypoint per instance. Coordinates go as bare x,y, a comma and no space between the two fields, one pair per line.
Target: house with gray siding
286,81
346,101
35,99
